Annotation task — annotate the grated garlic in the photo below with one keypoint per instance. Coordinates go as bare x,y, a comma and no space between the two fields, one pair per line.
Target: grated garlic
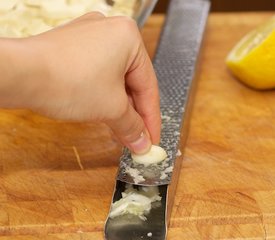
135,202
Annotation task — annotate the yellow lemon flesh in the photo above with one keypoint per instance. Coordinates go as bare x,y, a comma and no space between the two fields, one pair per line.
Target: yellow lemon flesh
252,60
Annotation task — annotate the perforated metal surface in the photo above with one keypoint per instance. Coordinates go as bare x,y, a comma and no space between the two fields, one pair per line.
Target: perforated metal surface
174,64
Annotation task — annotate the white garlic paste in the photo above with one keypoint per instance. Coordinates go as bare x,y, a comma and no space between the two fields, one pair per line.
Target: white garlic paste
135,202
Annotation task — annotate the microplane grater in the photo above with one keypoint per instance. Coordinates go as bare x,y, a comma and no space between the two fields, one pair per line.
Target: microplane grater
174,64
175,67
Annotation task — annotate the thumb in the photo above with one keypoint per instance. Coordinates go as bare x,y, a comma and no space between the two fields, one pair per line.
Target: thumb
131,131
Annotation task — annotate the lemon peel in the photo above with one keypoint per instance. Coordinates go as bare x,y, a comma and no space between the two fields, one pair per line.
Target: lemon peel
252,60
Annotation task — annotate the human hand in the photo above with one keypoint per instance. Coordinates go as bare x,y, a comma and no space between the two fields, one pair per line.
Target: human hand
93,68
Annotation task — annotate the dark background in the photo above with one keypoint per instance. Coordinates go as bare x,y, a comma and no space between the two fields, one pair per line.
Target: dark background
229,5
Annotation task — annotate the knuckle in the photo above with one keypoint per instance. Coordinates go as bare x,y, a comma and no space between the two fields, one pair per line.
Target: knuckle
98,14
94,14
126,21
128,35
127,25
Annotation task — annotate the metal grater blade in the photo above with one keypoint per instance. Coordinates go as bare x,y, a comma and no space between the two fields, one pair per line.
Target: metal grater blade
174,64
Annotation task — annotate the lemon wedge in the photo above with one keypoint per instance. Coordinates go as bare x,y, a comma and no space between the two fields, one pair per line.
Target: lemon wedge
252,60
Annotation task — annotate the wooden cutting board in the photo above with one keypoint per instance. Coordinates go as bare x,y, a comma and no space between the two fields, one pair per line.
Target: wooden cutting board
57,179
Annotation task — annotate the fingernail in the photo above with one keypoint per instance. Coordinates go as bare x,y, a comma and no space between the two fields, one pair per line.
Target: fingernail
141,145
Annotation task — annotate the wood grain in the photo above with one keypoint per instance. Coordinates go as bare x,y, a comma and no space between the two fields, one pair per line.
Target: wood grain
227,184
